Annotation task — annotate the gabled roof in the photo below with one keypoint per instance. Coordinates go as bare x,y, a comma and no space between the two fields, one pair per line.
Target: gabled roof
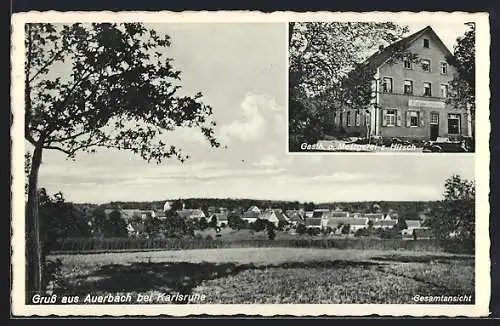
250,214
190,213
220,216
385,223
318,213
380,57
413,223
294,215
267,214
339,214
312,221
334,222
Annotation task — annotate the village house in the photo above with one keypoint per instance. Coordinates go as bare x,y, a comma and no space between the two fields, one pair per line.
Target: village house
270,215
354,223
254,209
409,94
386,223
250,216
313,223
221,219
188,213
423,233
294,216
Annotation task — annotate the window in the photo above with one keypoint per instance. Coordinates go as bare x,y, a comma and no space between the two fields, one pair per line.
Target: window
444,90
426,65
408,87
348,120
387,85
434,118
444,68
454,124
407,64
390,118
426,43
413,118
357,119
427,89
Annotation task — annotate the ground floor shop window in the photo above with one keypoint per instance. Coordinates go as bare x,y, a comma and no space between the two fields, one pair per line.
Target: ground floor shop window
414,118
454,124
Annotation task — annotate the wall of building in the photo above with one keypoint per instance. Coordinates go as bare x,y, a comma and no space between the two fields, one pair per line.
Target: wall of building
401,102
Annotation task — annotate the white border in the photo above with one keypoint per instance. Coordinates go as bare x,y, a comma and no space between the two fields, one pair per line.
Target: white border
482,269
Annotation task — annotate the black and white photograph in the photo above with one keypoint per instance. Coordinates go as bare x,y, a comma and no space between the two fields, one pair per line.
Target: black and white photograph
156,173
382,86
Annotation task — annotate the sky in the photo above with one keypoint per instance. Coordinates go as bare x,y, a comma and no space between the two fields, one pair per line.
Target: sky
241,70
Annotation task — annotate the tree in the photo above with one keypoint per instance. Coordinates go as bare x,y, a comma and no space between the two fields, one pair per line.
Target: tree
271,234
236,222
401,225
463,86
301,228
346,228
115,226
213,222
100,85
259,225
455,216
203,224
327,71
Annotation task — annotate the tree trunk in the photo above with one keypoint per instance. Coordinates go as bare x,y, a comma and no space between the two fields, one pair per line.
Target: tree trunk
33,238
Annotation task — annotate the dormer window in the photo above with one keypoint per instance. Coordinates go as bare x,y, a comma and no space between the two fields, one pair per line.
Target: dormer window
426,43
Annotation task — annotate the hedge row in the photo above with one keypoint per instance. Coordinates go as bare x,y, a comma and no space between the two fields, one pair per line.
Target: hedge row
120,244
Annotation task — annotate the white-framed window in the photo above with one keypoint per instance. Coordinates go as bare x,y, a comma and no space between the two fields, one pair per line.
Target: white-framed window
444,90
407,64
434,118
387,85
414,121
426,43
348,120
426,65
357,119
427,89
408,87
454,124
444,68
390,118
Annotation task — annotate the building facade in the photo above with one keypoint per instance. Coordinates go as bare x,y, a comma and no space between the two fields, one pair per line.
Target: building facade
409,95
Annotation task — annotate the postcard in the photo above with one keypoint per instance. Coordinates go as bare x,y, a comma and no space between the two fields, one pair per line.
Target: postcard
249,163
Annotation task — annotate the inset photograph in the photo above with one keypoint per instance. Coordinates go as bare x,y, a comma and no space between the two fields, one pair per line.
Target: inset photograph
381,87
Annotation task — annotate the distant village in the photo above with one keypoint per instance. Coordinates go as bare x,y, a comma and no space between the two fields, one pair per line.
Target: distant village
314,221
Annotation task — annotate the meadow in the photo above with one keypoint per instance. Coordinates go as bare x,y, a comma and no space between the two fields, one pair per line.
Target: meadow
271,275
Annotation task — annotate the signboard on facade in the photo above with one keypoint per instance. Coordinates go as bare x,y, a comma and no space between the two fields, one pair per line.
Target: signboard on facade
426,104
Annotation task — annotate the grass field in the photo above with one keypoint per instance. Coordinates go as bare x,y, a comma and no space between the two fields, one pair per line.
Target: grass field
272,275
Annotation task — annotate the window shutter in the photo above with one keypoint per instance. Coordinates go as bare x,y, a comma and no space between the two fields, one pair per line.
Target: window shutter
384,118
421,116
398,118
408,119
352,118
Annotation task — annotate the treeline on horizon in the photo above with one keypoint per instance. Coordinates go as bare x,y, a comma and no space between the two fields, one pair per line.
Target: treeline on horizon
402,207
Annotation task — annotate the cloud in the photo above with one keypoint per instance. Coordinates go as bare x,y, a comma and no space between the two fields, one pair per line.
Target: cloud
256,115
267,161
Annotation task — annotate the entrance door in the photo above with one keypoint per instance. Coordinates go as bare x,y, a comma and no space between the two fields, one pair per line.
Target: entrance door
454,124
434,125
